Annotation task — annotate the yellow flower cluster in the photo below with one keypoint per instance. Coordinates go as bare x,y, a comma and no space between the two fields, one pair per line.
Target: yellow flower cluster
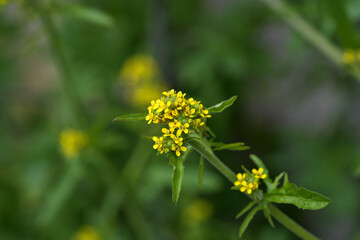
72,141
351,56
86,233
142,80
249,182
180,114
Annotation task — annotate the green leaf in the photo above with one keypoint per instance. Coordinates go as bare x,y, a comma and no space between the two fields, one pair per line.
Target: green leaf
222,106
247,220
177,178
131,117
239,146
301,197
86,14
245,209
275,184
201,170
268,215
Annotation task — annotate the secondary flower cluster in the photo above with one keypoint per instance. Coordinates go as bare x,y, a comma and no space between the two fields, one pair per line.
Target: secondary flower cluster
249,181
180,114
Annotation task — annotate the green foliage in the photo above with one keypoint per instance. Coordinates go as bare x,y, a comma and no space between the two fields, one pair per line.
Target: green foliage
131,117
245,209
218,108
85,13
248,219
177,177
301,197
239,146
201,170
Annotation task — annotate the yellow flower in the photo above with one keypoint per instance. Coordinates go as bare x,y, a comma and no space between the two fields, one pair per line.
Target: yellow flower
180,114
196,212
139,68
259,173
248,187
158,142
178,148
349,56
3,2
240,178
86,233
72,141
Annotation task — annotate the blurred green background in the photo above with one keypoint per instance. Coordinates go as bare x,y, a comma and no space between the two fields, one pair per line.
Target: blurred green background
67,68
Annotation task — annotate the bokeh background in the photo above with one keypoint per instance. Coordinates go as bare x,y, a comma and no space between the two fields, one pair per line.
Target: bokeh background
67,68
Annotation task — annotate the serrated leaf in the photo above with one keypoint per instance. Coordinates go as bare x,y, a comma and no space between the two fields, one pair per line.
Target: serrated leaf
301,197
222,105
131,117
245,209
201,170
177,178
239,146
247,220
86,14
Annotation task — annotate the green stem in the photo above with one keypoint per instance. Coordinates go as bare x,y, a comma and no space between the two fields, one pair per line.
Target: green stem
201,145
59,52
299,24
290,224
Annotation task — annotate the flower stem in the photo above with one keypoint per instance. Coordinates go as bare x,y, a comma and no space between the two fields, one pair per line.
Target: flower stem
290,223
202,146
304,28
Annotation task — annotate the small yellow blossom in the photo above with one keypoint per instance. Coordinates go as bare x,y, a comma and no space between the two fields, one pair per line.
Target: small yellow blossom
248,187
72,141
86,233
259,173
240,178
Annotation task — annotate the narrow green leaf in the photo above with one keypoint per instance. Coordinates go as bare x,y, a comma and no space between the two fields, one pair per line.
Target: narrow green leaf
239,146
275,184
247,220
245,209
268,215
86,14
131,117
177,178
222,105
301,197
201,170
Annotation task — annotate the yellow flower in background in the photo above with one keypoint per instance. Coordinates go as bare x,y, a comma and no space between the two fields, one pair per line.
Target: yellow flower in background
142,79
139,68
3,2
86,233
198,211
72,141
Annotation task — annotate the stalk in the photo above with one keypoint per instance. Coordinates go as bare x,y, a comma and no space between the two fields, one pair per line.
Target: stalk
202,146
304,28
